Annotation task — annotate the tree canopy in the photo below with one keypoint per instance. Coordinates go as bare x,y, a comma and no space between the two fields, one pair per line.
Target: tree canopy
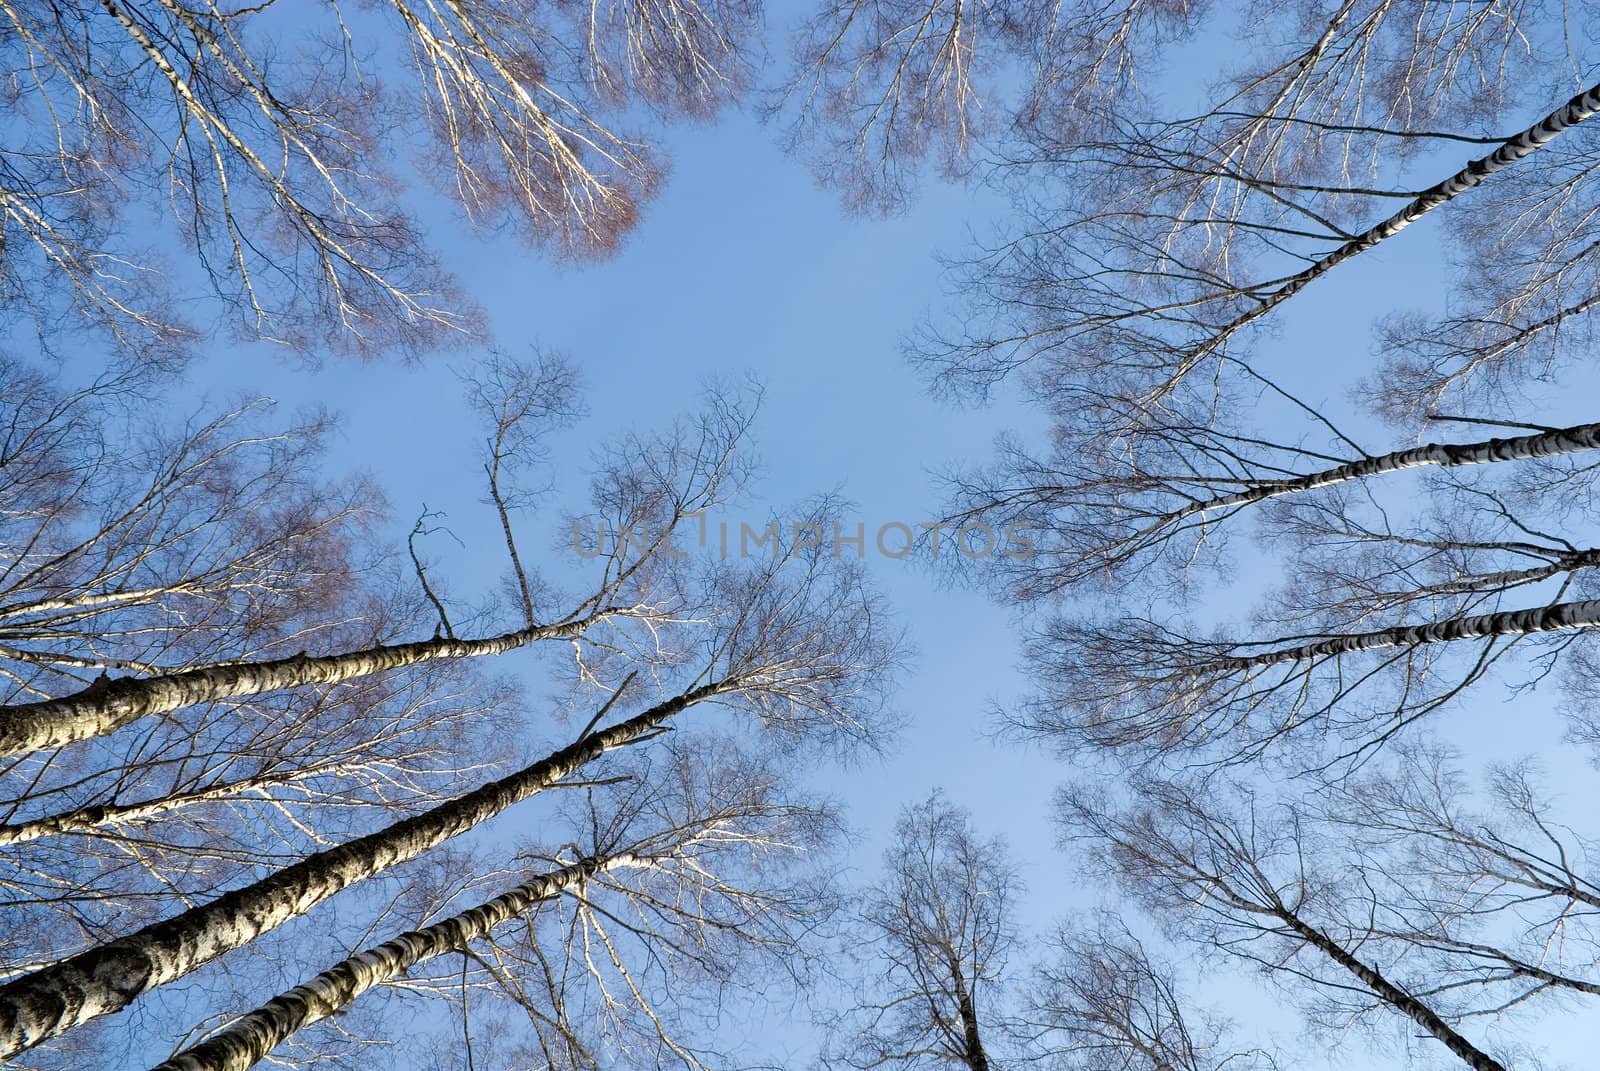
1282,314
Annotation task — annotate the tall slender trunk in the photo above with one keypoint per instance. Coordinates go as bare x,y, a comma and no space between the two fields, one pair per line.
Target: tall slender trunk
1556,617
249,1038
1391,994
1512,964
1575,111
1536,137
971,1040
87,819
109,704
1528,332
1571,440
106,978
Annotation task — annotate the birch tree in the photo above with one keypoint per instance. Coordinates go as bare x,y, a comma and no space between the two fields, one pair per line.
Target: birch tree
677,874
1243,877
1383,620
951,980
1162,504
878,87
1470,905
1131,289
1488,893
792,645
124,834
1402,564
268,141
1152,246
1100,999
1152,255
289,779
1502,335
940,929
134,545
125,548
654,487
1170,234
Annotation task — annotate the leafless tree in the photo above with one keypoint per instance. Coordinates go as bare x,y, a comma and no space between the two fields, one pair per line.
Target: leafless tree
654,485
685,57
1153,252
1101,1000
1164,237
881,83
207,767
1150,249
940,934
1490,897
1503,334
790,642
1384,617
123,552
1133,298
267,135
1160,503
1245,876
951,981
121,834
677,874
523,403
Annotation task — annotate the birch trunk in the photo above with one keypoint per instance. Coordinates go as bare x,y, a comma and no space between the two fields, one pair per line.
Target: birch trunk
1536,137
249,1038
1575,111
1571,440
108,704
87,819
49,1001
1393,995
971,1040
1557,617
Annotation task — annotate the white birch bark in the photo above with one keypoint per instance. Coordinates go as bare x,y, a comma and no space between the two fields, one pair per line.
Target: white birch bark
1536,137
247,1039
1570,440
1555,617
107,978
1393,995
88,819
1575,111
109,704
